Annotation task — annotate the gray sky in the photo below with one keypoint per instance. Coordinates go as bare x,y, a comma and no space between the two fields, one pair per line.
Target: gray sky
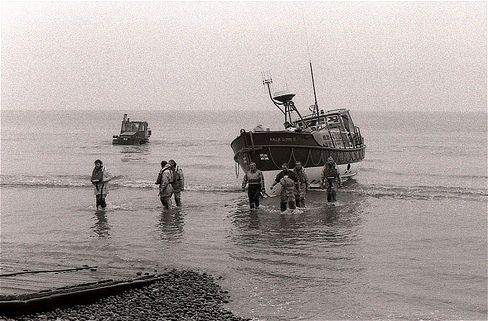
210,55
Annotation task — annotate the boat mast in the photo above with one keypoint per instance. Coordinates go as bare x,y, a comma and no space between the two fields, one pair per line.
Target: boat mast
315,105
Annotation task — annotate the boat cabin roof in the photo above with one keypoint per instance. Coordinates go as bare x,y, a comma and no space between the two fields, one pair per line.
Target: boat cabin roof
135,122
335,118
133,126
332,112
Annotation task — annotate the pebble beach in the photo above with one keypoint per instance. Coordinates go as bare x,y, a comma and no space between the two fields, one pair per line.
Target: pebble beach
178,295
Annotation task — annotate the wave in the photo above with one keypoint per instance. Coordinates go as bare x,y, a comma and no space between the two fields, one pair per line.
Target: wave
418,192
83,181
398,173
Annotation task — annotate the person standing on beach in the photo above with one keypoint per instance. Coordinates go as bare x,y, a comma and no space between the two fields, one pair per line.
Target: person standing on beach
255,180
288,189
330,174
100,178
178,181
302,187
165,178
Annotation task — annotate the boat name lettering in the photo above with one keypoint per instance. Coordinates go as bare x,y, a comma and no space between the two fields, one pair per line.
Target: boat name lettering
282,139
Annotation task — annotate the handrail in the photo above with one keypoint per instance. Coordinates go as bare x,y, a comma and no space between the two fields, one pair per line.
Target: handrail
299,146
340,131
252,144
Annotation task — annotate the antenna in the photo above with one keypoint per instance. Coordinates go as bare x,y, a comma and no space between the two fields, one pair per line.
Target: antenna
315,106
306,33
266,78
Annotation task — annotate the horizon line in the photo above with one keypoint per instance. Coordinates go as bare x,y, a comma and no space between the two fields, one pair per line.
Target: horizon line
233,110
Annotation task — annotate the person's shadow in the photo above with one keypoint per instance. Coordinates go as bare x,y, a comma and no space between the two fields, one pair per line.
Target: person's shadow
101,227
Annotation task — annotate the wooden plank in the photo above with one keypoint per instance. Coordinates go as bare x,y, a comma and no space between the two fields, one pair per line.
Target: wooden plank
34,276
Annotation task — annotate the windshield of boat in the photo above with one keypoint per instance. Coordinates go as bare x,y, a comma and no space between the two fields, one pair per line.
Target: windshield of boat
323,121
132,126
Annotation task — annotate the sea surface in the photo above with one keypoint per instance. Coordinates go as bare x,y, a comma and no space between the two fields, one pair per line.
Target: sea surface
406,241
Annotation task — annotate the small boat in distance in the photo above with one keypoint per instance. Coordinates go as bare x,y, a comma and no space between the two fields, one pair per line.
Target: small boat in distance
310,139
132,133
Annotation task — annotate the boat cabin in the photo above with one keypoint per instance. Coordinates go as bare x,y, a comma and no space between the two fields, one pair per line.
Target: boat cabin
336,128
132,133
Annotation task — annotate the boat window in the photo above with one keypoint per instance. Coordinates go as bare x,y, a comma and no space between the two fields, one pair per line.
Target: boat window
347,122
333,120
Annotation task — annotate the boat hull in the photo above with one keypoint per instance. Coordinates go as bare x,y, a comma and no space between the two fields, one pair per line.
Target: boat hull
129,141
270,149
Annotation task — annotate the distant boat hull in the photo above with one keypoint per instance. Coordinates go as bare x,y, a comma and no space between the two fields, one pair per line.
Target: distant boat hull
129,140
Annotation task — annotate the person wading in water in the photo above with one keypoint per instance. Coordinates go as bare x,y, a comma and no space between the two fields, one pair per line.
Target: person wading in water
165,178
288,184
100,178
302,184
255,181
331,175
178,181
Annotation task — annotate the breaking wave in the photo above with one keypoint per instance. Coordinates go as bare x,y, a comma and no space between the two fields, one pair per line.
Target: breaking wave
371,190
418,192
83,181
398,173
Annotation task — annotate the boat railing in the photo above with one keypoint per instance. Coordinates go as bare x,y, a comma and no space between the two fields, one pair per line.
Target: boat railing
339,135
358,139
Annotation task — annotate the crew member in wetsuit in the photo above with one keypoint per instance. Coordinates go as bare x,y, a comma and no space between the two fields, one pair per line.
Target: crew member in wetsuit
100,178
288,193
255,180
330,174
286,200
302,184
178,181
165,178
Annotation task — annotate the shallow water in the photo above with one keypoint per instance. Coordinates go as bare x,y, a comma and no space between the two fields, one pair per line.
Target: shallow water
407,239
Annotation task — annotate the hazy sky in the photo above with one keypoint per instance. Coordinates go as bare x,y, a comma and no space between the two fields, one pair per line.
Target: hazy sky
210,55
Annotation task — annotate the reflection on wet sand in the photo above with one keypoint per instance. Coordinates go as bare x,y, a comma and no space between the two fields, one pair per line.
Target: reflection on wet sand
101,227
171,224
